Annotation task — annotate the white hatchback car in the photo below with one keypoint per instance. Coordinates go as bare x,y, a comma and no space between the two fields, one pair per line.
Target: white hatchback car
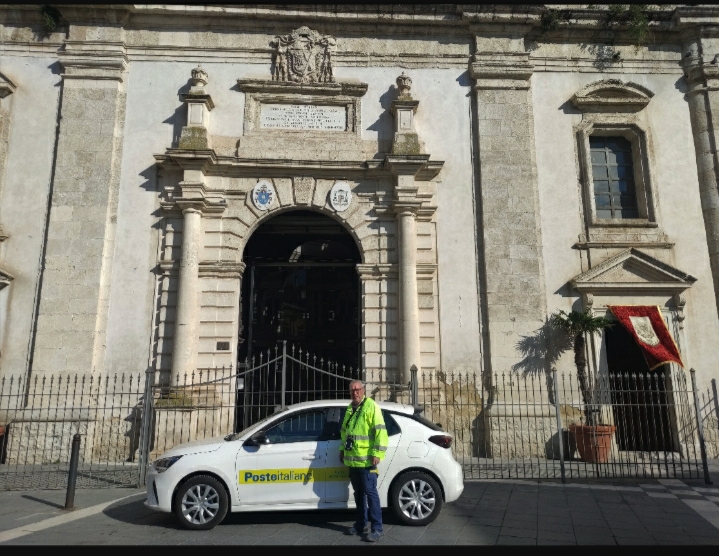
290,461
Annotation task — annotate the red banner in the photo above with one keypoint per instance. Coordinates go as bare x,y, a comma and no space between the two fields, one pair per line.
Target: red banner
646,325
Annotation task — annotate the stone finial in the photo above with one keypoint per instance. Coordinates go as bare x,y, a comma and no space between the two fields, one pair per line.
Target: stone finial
199,77
404,84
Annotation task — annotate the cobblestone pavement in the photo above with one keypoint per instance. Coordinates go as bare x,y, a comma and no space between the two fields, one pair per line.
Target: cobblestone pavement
489,512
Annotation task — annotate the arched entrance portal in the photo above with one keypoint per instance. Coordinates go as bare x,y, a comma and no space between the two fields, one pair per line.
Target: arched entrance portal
301,285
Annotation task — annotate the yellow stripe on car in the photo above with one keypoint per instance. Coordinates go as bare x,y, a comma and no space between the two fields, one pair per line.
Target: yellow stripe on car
274,476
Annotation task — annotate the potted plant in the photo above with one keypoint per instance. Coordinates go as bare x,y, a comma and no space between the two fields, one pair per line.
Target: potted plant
593,439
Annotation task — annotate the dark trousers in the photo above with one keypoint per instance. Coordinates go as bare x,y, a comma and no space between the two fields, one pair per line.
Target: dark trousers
364,483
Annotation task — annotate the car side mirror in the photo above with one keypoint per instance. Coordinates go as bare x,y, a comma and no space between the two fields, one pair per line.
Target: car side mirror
259,439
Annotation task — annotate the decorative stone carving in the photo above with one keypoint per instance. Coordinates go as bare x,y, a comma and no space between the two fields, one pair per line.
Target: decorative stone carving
680,300
304,56
303,186
263,195
340,196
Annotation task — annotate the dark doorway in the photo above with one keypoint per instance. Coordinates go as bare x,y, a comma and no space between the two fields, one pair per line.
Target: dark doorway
301,285
639,397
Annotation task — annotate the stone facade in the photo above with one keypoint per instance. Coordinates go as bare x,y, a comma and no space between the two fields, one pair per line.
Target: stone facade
461,132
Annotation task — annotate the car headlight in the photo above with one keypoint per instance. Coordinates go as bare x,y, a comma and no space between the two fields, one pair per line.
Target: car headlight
164,464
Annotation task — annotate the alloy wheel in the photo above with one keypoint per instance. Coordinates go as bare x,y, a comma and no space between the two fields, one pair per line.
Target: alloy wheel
200,504
417,499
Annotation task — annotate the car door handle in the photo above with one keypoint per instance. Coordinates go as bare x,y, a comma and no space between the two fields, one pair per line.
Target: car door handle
311,457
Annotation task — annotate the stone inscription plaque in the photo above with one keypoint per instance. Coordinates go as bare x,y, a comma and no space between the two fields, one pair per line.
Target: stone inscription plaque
303,117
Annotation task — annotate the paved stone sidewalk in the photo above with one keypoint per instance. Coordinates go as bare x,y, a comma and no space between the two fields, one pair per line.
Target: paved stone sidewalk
518,512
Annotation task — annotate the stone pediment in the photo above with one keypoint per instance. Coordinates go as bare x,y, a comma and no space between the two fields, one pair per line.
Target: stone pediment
612,95
633,271
5,278
7,87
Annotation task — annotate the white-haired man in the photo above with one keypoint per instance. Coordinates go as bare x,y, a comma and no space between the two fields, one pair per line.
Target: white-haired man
364,444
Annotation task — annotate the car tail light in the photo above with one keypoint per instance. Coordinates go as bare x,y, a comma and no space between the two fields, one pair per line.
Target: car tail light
441,440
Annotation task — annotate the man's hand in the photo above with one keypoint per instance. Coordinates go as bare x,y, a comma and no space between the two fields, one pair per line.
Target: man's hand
342,457
375,460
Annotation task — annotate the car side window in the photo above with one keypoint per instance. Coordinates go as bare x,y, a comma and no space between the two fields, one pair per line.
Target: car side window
334,423
390,423
304,427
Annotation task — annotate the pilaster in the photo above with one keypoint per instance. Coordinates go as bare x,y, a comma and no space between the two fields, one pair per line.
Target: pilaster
74,299
514,297
702,78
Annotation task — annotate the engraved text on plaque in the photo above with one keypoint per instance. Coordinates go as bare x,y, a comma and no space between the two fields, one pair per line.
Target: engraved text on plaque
303,116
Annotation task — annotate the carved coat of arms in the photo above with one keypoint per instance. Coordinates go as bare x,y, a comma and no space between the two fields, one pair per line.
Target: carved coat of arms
303,56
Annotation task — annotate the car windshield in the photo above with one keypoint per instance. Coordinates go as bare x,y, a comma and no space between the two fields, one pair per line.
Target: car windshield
233,436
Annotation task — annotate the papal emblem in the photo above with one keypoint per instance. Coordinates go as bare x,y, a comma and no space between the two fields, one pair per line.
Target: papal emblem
645,331
340,196
303,56
263,195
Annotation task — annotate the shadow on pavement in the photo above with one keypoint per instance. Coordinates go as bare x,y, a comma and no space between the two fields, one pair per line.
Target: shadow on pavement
46,502
134,512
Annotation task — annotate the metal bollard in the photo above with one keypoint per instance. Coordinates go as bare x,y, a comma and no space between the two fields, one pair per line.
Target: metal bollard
72,474
414,386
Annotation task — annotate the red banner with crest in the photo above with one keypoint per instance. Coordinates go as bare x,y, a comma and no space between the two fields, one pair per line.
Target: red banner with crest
646,325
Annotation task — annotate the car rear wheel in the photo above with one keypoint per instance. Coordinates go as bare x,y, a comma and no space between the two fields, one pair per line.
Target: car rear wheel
201,502
416,498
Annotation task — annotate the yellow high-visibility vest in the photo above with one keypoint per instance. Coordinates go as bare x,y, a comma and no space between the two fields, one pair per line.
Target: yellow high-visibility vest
365,425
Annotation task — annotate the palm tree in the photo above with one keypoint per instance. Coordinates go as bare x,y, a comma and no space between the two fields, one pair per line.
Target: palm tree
576,324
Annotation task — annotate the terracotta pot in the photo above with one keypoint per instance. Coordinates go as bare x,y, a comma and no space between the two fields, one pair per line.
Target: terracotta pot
593,442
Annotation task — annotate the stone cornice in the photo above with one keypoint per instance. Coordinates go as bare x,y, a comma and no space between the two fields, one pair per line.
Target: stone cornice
501,70
211,164
373,271
345,88
93,60
221,269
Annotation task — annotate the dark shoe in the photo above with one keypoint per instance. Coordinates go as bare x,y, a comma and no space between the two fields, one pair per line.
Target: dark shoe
373,536
352,531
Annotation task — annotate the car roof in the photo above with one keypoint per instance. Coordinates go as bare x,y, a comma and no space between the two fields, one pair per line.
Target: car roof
390,406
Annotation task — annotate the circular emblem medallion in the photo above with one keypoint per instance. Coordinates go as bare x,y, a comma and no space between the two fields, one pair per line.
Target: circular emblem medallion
340,196
263,195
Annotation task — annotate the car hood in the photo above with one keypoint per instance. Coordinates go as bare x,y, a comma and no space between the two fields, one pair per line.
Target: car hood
197,447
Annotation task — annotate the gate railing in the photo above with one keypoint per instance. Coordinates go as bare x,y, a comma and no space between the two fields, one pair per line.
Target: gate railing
504,426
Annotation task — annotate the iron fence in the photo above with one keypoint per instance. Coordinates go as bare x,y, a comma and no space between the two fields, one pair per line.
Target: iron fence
626,425
41,415
647,425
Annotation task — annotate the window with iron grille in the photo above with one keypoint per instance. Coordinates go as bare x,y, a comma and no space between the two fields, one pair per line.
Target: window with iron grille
615,194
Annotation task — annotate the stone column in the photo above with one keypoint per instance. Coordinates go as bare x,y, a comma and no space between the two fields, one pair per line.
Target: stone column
185,339
71,326
405,162
703,98
408,302
509,224
193,199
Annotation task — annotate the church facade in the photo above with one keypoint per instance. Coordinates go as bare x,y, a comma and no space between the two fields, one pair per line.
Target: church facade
182,187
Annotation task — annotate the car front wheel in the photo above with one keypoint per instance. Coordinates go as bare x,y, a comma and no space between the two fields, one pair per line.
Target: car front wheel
416,498
201,502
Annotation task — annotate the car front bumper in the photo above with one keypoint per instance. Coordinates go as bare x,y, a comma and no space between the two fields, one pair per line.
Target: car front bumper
159,491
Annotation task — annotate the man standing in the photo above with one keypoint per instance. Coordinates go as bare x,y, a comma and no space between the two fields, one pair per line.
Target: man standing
364,444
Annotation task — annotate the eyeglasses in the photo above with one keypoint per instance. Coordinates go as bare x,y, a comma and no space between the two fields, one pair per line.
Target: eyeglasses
356,389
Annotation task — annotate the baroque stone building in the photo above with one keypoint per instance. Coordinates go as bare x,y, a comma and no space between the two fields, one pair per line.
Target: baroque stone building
426,184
